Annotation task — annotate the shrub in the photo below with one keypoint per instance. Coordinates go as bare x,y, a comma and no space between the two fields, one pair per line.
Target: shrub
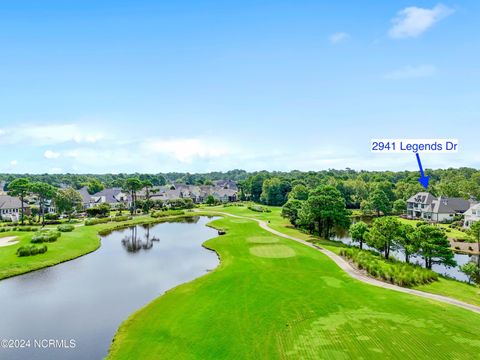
51,216
27,228
29,250
160,214
65,227
45,236
121,218
177,204
258,208
101,210
234,204
53,222
391,271
96,221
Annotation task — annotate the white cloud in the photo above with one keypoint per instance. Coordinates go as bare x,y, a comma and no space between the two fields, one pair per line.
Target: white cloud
13,162
185,150
412,72
49,154
339,37
50,134
414,21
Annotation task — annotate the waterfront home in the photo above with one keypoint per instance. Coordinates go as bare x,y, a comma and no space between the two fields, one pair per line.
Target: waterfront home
11,208
472,215
427,207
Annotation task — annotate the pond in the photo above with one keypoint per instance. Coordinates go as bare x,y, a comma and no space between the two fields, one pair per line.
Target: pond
86,299
453,272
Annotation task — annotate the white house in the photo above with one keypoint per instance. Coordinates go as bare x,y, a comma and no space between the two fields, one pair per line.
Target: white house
472,215
11,208
427,207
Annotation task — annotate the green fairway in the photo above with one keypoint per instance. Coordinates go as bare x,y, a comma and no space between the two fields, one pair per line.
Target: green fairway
447,287
288,301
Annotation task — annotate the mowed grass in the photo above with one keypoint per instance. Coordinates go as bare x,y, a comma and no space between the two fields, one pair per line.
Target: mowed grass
69,246
297,307
451,233
447,287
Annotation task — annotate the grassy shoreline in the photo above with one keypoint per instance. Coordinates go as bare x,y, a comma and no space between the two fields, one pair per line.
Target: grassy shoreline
81,241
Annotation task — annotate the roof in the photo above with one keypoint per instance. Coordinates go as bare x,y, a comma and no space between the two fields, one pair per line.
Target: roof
440,205
86,197
450,205
10,202
229,184
422,198
110,195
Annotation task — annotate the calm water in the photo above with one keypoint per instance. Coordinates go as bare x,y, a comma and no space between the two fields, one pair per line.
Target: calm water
86,299
453,272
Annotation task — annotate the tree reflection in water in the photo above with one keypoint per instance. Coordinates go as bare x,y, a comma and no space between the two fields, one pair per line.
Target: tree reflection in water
133,242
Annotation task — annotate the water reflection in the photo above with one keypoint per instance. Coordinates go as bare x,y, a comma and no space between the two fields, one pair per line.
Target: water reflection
133,242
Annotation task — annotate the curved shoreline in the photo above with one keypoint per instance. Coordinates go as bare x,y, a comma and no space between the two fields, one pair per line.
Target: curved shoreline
108,227
208,272
354,273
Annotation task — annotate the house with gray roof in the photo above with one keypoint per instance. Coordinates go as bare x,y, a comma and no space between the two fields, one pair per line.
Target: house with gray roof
11,208
112,196
425,206
226,184
86,197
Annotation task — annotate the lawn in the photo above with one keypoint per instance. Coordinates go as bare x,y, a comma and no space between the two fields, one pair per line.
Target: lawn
272,298
451,233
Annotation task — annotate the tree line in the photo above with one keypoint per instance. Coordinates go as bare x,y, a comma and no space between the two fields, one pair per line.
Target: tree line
356,187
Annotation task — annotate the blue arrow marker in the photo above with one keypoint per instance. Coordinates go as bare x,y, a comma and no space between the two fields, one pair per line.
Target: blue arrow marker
422,179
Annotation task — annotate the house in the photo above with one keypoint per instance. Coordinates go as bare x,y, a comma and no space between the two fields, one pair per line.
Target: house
225,195
112,196
86,197
427,207
11,208
226,184
472,215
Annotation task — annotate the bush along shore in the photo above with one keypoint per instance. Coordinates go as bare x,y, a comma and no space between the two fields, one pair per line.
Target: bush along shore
392,271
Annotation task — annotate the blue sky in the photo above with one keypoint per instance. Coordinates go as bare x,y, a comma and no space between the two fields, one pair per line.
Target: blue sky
153,86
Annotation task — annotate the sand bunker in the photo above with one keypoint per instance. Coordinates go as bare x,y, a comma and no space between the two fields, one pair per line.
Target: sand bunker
8,240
